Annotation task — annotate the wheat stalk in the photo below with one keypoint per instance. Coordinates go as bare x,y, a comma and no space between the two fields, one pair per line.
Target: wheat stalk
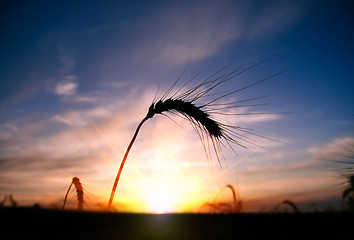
13,201
235,206
3,201
292,205
79,191
206,119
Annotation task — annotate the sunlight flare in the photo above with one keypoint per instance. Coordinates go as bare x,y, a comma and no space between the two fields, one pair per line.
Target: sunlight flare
161,202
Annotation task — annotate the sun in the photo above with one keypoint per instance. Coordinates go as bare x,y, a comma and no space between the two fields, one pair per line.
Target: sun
161,202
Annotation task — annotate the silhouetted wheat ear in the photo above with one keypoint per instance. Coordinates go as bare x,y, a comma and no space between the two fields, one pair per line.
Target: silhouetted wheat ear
206,118
190,110
79,191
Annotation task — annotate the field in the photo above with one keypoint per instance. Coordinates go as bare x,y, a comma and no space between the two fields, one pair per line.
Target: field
31,223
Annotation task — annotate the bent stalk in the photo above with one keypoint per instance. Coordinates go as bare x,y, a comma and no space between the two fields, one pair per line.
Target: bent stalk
66,195
124,159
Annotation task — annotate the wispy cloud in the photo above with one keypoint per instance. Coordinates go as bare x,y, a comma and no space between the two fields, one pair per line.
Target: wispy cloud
70,118
196,31
270,19
252,118
67,86
192,32
338,149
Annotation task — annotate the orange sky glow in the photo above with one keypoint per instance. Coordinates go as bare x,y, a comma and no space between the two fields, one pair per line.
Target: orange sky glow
168,171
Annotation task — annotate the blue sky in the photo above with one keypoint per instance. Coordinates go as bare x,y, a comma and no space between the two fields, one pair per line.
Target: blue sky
76,78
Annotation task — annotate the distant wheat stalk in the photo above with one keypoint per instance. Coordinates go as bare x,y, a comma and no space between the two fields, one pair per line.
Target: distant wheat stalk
234,206
289,203
292,205
79,191
3,201
207,118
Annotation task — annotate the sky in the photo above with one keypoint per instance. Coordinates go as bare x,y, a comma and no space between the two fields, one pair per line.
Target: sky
77,78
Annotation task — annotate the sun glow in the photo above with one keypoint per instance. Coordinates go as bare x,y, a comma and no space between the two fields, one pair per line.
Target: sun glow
167,172
161,202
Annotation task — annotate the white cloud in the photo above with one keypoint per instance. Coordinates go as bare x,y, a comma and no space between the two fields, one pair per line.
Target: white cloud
67,87
73,118
245,115
85,98
257,118
82,117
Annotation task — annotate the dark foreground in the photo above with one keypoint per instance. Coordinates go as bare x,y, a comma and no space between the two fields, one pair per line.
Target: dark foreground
28,223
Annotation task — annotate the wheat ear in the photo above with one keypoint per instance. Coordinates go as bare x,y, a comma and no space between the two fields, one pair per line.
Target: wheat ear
80,193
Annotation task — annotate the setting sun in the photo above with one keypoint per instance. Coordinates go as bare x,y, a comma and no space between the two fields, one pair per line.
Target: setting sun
161,202
161,178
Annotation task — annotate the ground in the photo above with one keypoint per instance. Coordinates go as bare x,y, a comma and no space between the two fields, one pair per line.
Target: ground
31,223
